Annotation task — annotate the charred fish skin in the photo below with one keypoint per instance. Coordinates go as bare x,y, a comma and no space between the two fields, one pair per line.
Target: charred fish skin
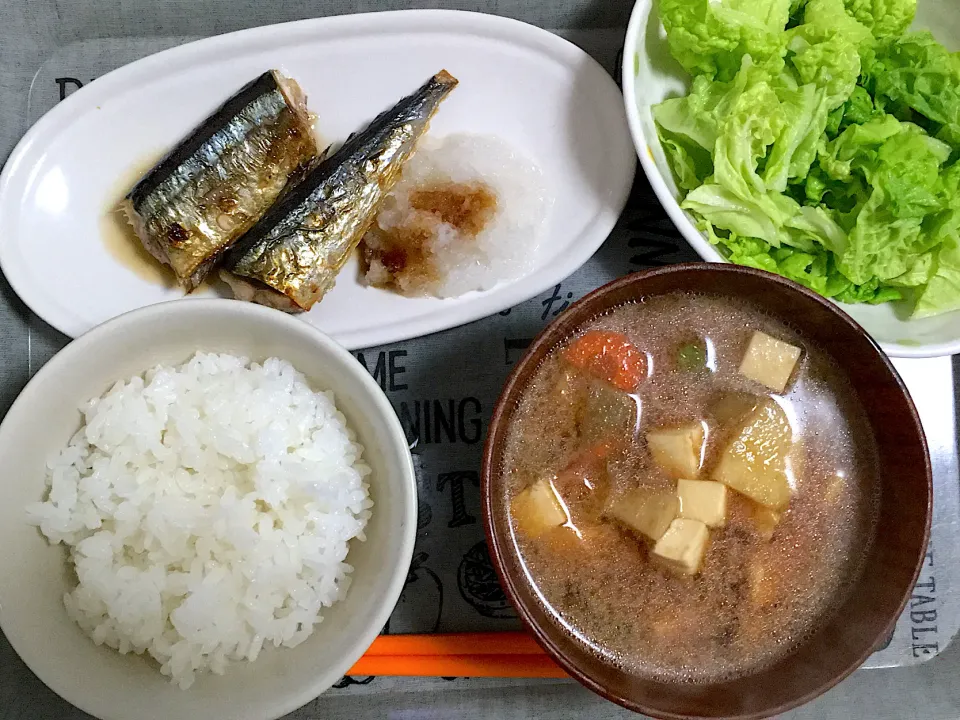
291,258
221,178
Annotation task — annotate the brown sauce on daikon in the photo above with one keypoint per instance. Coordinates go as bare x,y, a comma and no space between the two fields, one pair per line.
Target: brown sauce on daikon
405,252
603,586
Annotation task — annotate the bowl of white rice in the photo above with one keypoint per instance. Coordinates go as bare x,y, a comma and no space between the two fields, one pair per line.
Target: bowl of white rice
208,510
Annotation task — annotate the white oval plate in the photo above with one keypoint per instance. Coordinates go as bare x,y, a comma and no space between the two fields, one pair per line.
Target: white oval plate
650,75
536,91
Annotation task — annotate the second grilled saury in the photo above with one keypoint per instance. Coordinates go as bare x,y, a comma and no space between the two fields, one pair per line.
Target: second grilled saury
291,258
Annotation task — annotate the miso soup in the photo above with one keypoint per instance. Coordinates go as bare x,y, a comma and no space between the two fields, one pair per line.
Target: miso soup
692,487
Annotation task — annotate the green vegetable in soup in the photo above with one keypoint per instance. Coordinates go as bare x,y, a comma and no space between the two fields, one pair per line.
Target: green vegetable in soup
692,356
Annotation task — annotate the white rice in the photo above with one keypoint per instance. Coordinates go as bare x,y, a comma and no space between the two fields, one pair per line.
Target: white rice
208,510
506,248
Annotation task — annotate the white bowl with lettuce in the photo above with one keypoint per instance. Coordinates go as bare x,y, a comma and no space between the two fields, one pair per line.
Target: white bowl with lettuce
818,139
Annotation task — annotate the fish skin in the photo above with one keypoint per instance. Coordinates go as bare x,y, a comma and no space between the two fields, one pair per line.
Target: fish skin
291,258
221,178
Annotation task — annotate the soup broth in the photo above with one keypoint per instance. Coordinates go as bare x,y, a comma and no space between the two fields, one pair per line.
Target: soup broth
690,581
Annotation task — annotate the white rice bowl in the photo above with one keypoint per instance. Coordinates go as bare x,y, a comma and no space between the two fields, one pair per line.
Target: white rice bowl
208,510
505,249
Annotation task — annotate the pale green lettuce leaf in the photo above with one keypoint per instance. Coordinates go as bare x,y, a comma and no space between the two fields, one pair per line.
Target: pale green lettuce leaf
748,251
805,112
889,235
777,219
814,269
881,244
942,293
908,171
691,165
825,49
859,109
873,292
696,116
819,225
919,273
757,217
754,121
857,147
918,73
711,37
885,18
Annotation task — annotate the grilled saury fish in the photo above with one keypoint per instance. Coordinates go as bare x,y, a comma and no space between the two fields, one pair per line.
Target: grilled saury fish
213,186
291,257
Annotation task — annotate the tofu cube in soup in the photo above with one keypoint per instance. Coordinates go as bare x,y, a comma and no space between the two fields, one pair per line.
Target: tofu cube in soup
647,512
678,450
703,500
538,508
755,461
769,361
683,545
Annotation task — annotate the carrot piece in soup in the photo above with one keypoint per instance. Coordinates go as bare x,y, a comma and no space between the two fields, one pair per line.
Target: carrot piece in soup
588,462
609,356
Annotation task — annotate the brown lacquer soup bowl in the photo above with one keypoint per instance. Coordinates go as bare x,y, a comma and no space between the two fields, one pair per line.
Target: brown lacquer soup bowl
865,612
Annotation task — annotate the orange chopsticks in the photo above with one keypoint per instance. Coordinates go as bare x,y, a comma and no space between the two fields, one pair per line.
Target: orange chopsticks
500,666
494,654
478,643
